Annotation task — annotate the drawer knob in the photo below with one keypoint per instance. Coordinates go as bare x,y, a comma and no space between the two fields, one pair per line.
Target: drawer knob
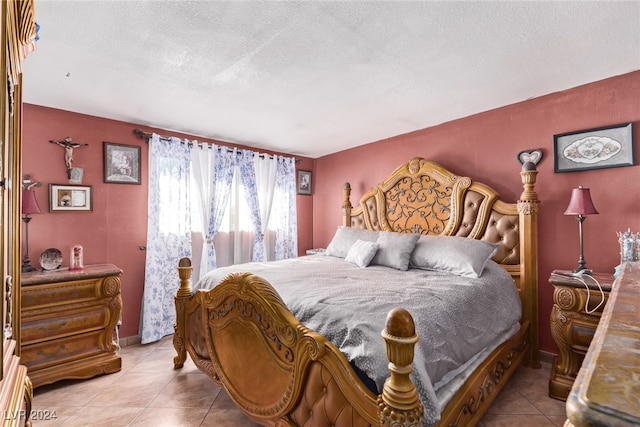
53,326
53,353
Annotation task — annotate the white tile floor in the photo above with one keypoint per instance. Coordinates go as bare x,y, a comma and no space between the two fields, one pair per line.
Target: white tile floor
149,392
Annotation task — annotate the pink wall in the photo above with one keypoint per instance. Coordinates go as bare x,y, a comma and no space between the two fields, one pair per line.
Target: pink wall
484,147
117,227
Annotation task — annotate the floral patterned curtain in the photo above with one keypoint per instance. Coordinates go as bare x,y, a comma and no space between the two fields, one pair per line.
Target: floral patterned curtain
284,209
168,233
224,168
248,178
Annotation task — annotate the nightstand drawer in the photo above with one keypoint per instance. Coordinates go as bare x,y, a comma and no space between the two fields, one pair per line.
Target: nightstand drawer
46,328
581,336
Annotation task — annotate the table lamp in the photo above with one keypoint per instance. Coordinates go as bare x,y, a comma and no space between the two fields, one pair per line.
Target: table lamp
29,207
581,205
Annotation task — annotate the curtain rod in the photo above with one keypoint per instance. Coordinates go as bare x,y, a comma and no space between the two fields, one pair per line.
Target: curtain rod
146,136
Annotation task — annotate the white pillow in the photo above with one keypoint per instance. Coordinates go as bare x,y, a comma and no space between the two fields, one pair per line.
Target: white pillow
361,253
345,237
457,255
394,249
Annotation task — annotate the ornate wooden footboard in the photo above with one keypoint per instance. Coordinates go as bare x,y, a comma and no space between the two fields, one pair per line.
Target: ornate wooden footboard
280,373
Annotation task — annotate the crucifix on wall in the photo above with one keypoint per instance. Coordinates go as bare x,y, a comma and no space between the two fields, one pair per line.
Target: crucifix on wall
68,146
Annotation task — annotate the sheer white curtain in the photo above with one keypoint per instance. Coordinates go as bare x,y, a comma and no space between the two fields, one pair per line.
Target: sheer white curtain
202,169
266,168
213,171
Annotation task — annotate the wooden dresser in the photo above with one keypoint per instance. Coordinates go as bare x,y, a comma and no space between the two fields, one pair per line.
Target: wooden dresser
68,323
607,389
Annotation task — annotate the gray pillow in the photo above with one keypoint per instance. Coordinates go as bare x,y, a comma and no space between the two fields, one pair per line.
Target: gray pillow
457,255
345,237
394,249
361,253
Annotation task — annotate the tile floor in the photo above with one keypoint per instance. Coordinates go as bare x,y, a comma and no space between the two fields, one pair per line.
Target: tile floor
149,392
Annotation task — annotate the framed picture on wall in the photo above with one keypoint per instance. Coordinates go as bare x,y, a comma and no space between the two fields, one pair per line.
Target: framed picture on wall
66,197
304,182
121,163
606,147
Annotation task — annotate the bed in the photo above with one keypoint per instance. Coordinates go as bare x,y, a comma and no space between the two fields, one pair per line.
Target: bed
280,371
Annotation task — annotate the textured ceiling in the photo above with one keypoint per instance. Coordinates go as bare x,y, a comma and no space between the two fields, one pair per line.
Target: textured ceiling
313,78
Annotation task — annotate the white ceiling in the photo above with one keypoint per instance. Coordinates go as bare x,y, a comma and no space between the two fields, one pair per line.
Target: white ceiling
313,78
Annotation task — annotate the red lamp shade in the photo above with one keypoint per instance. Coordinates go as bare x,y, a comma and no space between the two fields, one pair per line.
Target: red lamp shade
581,203
29,203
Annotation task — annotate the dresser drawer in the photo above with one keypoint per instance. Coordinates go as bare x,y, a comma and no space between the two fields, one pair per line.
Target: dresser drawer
57,294
61,350
63,324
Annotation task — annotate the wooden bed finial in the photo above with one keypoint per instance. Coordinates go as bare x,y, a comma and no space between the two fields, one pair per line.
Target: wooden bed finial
182,296
184,271
346,204
528,174
398,405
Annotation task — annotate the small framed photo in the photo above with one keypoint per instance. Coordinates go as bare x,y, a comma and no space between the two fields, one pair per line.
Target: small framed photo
607,147
65,197
121,163
304,182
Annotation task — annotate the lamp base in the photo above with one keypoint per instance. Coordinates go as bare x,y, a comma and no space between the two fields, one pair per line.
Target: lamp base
583,270
27,267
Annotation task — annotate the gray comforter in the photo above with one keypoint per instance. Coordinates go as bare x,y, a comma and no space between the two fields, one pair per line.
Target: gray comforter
456,317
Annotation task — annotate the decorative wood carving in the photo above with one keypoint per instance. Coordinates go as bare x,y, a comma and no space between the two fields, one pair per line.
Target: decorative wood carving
398,405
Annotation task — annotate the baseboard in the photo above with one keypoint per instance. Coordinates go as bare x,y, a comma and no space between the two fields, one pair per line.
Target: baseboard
127,341
546,357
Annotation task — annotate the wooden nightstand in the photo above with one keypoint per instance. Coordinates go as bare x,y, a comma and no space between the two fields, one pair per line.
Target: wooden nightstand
573,326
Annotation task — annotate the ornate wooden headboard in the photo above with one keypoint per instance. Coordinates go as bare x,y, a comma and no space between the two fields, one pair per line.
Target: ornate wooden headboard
422,197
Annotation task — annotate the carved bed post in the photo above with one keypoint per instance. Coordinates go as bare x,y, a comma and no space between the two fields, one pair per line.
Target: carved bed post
183,294
398,405
346,205
528,212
